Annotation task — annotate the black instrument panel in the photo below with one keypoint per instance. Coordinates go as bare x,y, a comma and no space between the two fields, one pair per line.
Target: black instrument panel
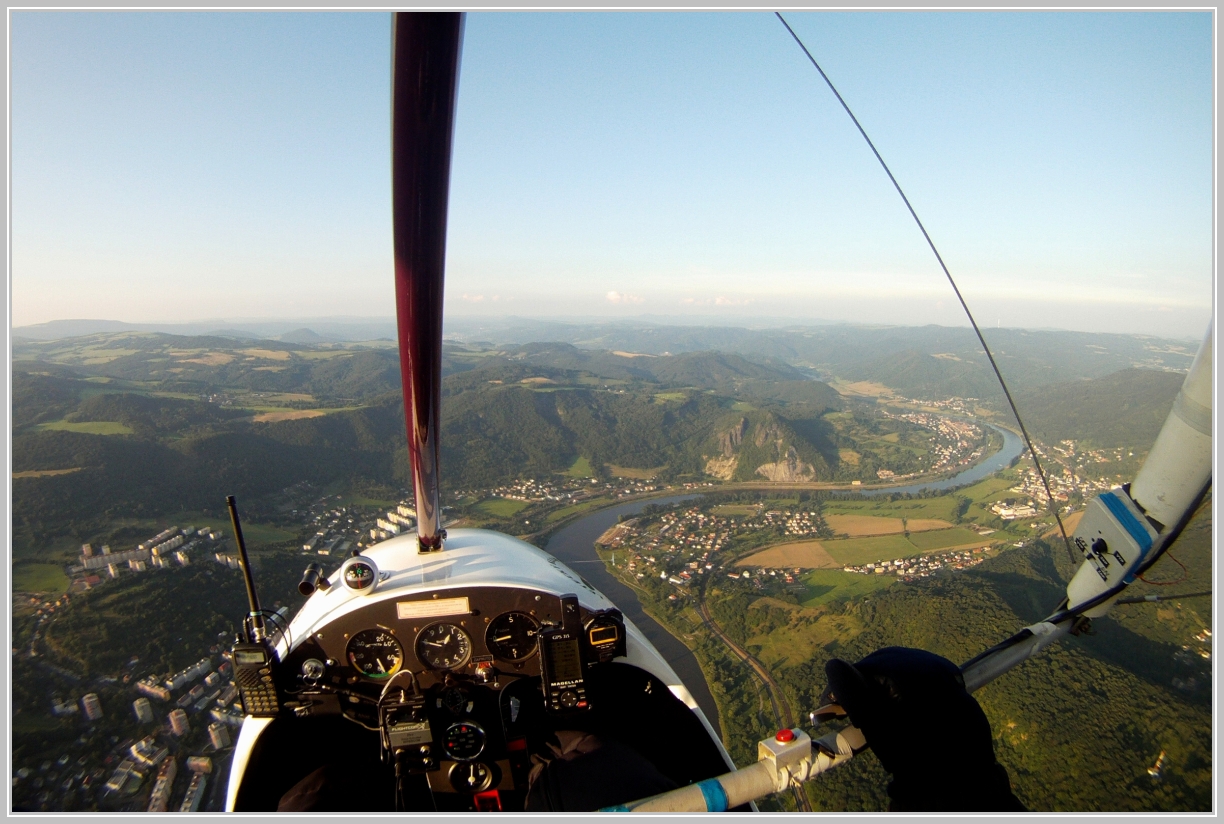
459,631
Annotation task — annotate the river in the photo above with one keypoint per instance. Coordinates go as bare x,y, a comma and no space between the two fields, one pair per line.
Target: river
574,545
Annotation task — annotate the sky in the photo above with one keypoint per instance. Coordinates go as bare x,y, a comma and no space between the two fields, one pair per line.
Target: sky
186,166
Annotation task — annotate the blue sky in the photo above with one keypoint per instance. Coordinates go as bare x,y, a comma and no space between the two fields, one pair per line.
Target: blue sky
175,166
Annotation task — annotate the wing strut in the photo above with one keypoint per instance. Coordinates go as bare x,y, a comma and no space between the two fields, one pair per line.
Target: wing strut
425,79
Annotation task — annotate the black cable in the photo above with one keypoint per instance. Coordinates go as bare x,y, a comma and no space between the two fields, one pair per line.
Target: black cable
1140,599
959,297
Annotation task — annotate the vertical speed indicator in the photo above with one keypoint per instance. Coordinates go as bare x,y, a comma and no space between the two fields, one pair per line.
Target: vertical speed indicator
512,636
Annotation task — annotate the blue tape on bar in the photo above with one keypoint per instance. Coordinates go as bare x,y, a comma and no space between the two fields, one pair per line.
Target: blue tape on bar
615,808
1128,521
715,795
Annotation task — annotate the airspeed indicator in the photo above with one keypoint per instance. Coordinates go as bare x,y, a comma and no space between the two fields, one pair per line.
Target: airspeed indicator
375,653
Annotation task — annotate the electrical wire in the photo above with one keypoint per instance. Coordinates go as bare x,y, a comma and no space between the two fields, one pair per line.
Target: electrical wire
1185,574
989,356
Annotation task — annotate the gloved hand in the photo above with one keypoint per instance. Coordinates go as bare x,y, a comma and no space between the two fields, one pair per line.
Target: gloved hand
927,731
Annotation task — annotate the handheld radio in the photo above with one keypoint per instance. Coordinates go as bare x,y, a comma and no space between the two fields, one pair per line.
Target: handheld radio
253,660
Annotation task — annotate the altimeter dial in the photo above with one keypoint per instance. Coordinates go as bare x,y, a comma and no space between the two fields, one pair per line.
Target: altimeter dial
375,653
511,636
444,646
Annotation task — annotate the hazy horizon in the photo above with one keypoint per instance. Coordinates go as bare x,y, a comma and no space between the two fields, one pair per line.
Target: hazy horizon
279,325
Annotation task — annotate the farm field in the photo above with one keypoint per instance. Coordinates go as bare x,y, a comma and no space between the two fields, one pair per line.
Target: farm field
88,427
858,526
802,554
735,509
287,415
945,538
858,551
941,508
45,473
501,507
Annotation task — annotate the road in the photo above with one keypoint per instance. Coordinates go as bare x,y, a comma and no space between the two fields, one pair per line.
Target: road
781,707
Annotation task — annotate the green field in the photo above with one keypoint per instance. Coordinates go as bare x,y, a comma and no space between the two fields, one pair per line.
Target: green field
32,577
944,537
735,509
942,508
825,585
581,468
501,507
857,551
989,489
89,427
574,509
670,396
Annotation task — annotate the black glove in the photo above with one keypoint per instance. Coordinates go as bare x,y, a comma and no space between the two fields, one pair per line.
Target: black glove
927,731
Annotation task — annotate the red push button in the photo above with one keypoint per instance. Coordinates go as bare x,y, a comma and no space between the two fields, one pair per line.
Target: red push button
785,735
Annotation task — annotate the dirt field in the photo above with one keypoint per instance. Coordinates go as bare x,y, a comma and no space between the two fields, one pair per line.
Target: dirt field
805,554
208,358
267,354
287,415
868,389
1070,522
41,473
858,526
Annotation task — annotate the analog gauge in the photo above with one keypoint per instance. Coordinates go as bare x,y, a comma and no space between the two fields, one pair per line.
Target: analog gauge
463,741
473,777
444,646
512,636
375,653
456,700
313,669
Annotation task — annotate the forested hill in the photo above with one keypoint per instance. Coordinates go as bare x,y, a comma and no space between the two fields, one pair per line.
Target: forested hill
919,362
1125,409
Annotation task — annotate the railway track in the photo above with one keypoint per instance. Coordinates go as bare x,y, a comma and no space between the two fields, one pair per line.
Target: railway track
781,707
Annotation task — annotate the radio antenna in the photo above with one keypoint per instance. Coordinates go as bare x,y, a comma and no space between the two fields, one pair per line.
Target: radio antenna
258,631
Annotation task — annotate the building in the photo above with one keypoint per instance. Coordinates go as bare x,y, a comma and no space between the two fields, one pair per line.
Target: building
178,722
159,798
126,778
149,686
188,675
59,707
219,735
108,558
92,707
199,764
195,794
143,710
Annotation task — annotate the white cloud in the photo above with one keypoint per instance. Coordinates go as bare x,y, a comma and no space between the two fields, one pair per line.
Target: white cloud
618,297
474,298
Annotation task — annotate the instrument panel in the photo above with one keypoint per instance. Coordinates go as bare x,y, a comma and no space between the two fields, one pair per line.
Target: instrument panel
469,632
